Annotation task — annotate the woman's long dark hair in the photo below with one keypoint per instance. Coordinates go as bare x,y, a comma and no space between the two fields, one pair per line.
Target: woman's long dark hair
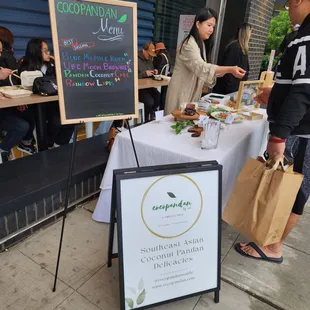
33,59
203,15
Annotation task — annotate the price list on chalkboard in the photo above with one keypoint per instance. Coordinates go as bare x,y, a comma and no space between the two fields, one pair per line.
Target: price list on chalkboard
95,54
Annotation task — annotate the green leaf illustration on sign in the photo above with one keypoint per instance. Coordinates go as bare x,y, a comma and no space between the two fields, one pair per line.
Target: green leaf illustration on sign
123,18
141,298
129,302
141,285
171,195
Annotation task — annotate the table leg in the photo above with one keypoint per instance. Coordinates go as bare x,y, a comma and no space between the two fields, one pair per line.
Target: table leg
163,97
89,128
41,127
217,297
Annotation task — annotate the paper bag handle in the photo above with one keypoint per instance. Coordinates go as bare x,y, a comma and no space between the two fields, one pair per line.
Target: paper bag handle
278,162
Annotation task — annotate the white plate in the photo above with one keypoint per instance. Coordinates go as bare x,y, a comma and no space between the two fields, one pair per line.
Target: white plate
223,107
157,77
18,93
237,119
8,88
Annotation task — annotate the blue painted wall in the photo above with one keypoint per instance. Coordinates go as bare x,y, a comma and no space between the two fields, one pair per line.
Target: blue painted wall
30,18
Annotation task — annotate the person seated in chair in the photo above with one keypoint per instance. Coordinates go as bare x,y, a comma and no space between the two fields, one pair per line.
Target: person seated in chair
16,124
149,96
38,58
162,60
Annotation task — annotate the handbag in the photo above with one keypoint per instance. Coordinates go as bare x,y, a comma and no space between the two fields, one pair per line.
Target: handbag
45,86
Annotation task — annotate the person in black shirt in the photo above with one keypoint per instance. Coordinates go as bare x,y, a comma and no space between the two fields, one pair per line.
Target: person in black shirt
289,121
38,58
17,123
236,54
7,56
162,60
288,39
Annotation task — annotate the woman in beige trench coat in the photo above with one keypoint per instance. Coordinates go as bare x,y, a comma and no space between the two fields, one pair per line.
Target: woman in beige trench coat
192,71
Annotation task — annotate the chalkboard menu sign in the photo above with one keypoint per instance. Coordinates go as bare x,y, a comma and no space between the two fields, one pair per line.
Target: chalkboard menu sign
95,45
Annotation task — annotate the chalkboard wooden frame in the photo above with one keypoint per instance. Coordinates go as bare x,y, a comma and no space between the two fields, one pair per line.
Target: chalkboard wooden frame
55,37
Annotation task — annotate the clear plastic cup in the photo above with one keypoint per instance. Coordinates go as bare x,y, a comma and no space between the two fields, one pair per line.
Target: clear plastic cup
210,137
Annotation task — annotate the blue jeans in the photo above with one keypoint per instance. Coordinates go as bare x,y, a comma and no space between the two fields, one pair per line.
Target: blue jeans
103,128
298,152
16,129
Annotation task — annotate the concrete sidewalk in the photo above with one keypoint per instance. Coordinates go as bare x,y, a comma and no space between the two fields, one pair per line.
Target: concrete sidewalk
85,283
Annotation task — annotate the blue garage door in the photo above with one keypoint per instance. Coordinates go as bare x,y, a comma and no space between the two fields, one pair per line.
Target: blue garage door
30,18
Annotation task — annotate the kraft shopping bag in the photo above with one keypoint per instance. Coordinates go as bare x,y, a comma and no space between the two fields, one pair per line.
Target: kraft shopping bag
262,200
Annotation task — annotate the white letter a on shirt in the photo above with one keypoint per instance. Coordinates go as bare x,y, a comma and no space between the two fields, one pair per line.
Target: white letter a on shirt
300,61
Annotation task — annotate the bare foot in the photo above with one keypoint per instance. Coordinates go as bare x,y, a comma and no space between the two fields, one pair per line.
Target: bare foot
271,251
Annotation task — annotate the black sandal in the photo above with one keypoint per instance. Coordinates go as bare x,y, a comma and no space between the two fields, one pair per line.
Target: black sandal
263,257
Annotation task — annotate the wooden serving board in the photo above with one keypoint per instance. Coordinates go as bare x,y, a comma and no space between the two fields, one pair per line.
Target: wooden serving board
180,116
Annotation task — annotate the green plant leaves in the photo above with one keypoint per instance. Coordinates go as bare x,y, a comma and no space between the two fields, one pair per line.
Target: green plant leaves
180,125
123,18
171,195
141,298
129,302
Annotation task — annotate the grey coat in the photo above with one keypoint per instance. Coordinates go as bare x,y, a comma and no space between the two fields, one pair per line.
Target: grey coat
144,65
190,74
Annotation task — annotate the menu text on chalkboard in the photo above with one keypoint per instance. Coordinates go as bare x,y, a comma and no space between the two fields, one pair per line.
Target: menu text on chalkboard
95,45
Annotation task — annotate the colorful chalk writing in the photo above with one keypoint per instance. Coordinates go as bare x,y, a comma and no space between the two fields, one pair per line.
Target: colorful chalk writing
97,58
100,68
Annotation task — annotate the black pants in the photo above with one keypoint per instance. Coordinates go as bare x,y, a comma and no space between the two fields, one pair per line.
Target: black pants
298,151
56,132
28,116
151,99
18,126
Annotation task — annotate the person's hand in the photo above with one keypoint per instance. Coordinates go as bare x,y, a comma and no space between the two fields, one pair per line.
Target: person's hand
275,150
237,72
5,73
263,97
155,71
149,73
21,108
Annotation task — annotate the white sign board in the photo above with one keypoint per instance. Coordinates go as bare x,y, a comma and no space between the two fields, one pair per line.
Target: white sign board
185,24
168,229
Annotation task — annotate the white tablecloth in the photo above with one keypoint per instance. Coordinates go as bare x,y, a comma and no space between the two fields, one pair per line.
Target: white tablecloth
156,144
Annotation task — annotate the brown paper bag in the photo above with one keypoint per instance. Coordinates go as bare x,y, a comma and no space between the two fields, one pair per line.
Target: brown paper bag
262,200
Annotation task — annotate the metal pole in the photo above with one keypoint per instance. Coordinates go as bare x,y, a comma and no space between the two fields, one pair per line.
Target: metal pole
218,34
133,144
66,202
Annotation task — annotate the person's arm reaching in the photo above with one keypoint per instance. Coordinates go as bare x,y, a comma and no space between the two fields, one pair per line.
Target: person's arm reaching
5,73
190,56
